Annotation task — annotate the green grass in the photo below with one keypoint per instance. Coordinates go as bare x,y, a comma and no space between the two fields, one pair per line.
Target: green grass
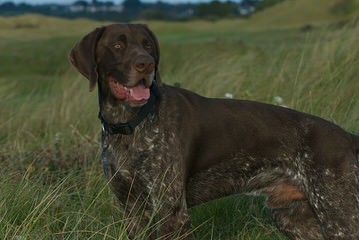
297,13
52,186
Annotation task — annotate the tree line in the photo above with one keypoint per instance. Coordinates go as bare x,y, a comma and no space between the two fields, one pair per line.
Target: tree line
135,9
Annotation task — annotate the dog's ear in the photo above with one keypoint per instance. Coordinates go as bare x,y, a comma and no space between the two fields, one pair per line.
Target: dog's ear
83,58
157,60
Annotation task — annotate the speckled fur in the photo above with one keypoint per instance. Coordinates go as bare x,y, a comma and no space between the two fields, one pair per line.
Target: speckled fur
192,149
155,147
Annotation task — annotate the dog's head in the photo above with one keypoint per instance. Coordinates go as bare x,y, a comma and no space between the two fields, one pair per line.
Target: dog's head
124,56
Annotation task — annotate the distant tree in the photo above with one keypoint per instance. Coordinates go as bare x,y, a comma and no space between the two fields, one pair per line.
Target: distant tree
81,3
216,9
131,9
132,5
24,6
161,5
108,4
8,6
247,3
151,14
261,5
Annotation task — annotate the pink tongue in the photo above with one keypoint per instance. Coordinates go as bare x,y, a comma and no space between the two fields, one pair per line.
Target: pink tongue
139,92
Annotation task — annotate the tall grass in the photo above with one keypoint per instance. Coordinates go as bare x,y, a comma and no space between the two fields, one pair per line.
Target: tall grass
50,173
299,13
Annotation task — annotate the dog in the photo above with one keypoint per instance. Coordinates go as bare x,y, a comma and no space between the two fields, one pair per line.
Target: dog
166,149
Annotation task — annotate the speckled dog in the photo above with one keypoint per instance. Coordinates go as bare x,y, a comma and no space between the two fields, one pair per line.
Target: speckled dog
184,149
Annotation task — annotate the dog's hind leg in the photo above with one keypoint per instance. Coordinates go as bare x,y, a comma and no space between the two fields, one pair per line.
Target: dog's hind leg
334,197
297,221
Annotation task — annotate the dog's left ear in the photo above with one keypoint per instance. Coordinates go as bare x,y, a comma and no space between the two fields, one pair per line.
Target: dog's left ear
157,60
83,58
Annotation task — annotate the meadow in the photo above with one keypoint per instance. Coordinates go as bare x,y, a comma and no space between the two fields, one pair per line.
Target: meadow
51,180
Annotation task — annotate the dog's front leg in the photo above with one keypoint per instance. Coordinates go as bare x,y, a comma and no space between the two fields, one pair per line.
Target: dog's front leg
153,207
173,218
168,200
135,202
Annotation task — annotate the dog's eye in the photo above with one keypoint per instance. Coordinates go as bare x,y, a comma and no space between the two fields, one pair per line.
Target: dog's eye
148,46
118,45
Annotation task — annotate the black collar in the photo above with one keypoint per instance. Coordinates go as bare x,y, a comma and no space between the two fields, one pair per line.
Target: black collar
129,127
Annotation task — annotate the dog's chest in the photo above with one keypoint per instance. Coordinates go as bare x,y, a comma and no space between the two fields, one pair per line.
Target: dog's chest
147,152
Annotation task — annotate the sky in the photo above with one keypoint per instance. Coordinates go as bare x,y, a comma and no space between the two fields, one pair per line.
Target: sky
115,1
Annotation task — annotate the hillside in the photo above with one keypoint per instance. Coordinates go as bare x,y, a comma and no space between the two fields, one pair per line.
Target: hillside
43,26
301,12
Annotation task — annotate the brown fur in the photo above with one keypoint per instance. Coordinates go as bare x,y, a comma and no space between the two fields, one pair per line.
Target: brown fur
193,149
283,194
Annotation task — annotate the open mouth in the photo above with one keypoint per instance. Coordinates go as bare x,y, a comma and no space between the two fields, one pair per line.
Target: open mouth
138,94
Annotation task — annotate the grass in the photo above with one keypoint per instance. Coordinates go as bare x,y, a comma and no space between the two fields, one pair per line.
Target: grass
297,13
52,185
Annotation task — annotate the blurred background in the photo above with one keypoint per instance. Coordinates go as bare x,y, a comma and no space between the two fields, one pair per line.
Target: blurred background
301,54
126,10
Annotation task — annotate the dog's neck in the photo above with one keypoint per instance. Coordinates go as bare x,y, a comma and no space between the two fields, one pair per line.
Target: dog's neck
118,112
117,116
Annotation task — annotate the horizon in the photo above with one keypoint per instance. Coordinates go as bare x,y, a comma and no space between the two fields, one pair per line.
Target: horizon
38,2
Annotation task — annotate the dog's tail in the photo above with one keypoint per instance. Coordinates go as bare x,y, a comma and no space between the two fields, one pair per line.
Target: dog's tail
355,140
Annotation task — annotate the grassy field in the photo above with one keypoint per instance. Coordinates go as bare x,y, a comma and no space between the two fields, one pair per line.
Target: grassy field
51,181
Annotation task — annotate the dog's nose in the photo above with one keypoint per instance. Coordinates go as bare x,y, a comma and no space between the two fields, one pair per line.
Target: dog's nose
144,63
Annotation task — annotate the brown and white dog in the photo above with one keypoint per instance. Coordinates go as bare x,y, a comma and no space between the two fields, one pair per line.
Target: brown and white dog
190,149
